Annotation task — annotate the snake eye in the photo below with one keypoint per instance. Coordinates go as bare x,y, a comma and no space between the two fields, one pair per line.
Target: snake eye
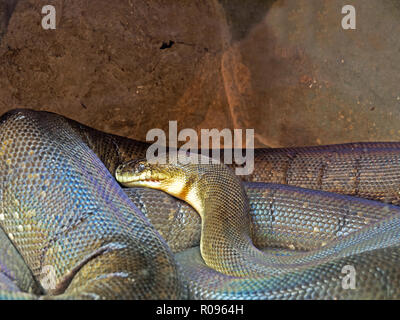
140,167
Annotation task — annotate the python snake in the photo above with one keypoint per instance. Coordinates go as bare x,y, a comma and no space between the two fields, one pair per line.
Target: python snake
69,231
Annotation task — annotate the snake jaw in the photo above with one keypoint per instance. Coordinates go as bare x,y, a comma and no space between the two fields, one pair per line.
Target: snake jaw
142,181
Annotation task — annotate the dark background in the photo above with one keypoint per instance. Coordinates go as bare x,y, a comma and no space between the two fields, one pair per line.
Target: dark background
283,67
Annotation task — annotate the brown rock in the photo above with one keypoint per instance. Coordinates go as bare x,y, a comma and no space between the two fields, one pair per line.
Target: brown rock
285,68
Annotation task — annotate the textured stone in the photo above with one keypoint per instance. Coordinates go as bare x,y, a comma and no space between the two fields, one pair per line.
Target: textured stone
285,68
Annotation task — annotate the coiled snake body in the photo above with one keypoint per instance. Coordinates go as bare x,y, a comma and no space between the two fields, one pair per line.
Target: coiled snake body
68,230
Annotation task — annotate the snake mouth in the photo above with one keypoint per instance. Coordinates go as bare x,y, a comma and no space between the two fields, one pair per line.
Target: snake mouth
140,181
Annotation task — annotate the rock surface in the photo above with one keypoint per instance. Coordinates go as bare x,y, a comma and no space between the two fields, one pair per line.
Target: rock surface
285,68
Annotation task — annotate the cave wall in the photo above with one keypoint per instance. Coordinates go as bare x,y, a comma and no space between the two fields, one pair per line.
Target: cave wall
283,67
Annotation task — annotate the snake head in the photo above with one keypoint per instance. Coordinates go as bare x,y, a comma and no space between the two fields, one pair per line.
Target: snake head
174,176
168,177
140,173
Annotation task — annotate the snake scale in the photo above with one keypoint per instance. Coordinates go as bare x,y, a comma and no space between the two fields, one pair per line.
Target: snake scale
68,230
